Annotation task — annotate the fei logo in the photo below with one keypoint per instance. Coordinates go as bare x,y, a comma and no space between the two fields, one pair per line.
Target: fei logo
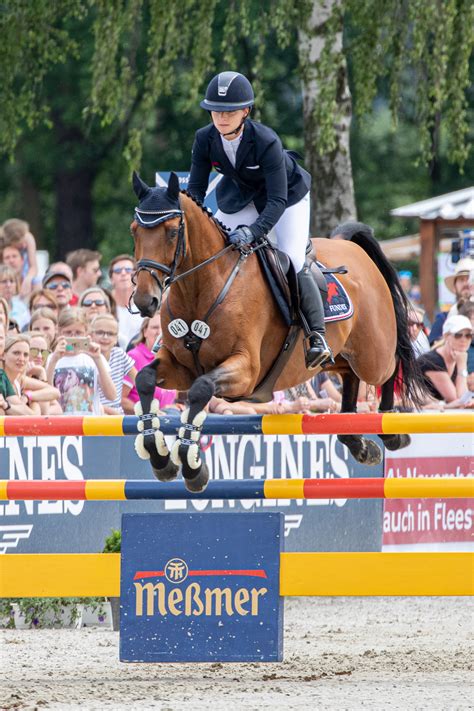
201,587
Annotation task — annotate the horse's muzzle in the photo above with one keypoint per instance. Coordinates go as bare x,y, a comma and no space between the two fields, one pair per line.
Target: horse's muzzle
147,304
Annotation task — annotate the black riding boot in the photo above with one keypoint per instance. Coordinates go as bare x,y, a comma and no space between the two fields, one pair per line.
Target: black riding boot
317,351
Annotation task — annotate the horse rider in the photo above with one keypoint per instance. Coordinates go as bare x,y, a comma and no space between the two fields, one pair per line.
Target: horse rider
263,190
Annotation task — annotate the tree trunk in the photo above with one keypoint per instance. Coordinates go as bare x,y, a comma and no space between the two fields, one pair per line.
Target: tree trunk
74,210
332,191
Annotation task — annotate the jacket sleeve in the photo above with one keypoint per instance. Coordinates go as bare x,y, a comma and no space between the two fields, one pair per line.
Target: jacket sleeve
273,164
200,169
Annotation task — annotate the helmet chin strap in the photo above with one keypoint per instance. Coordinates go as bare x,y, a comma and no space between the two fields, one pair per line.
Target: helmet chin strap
237,130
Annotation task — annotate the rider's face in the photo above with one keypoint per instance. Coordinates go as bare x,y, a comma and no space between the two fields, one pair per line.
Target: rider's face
226,121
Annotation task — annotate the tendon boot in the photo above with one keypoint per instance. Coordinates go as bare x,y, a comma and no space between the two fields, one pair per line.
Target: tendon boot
317,350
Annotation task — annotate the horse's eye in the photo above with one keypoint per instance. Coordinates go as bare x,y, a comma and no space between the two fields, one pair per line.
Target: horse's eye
173,233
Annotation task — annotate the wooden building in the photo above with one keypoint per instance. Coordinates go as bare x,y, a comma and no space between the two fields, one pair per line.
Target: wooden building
441,218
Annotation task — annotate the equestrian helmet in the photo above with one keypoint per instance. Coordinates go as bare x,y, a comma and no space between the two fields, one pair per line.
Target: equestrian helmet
228,91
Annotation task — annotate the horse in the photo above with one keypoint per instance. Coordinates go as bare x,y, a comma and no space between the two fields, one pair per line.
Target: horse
222,330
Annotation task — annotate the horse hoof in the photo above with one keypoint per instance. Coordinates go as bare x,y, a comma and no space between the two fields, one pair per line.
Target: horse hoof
167,473
199,482
372,454
396,442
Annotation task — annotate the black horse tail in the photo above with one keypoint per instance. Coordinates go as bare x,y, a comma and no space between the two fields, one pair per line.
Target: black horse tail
413,386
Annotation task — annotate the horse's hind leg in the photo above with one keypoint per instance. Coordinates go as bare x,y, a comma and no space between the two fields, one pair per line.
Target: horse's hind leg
150,443
363,450
391,441
186,450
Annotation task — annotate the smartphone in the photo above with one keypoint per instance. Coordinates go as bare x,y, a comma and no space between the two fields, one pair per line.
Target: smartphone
77,344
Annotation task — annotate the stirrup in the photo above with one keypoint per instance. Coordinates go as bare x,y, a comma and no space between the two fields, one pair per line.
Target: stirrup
319,353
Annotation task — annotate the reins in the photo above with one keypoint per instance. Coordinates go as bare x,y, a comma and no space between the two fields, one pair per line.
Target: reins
199,330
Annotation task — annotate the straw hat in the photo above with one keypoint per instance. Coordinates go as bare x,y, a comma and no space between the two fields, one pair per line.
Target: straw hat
464,266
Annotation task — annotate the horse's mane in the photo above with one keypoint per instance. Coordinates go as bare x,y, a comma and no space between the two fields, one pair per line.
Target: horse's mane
222,228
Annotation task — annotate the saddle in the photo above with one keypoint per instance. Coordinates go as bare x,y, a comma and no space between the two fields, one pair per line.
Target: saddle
281,278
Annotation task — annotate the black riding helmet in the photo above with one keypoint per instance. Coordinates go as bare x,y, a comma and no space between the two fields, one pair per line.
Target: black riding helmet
228,91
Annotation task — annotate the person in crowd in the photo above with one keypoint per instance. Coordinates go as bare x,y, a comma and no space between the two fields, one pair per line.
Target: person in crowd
104,330
4,312
12,257
59,283
304,398
77,367
265,192
445,367
35,393
10,402
94,301
17,233
39,353
405,276
45,321
9,287
458,284
121,270
43,299
142,355
85,266
467,309
416,328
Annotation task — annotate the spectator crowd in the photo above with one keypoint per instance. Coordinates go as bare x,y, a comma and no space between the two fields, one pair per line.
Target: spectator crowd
70,345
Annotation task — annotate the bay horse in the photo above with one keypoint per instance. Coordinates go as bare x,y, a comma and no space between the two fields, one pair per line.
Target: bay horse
213,295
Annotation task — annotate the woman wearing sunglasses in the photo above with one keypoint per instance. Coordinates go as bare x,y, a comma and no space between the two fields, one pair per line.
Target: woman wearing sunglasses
94,301
445,366
39,353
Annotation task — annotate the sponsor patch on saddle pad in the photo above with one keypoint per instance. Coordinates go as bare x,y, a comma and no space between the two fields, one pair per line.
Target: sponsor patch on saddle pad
338,305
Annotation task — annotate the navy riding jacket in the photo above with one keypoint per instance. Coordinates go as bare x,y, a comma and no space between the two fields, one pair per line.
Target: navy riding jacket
264,173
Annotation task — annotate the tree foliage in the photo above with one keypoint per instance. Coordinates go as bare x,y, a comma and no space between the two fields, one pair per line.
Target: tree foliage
147,49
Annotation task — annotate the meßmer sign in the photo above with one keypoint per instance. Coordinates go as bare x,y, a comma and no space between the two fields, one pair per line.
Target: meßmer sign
201,588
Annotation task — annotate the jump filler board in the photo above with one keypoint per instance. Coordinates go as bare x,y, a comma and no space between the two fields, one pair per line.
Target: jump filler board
201,587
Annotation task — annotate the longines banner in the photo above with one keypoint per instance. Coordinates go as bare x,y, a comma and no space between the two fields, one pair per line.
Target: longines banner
81,526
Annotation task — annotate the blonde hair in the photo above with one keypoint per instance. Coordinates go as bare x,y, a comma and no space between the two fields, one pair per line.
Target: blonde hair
102,317
6,309
17,338
71,315
14,230
48,295
7,271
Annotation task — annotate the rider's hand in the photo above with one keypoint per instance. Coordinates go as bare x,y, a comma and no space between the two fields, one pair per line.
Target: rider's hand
241,236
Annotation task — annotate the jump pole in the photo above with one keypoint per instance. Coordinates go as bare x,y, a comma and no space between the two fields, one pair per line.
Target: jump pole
348,423
120,490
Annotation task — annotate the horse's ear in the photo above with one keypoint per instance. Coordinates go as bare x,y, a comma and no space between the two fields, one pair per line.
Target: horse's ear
140,187
173,187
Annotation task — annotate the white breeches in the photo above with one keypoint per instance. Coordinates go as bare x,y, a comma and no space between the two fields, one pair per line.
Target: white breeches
290,233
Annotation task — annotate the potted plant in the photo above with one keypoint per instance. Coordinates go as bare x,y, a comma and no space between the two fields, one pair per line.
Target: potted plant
44,612
113,544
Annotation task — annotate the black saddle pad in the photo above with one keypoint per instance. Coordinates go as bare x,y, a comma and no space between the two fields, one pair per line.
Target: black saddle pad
338,305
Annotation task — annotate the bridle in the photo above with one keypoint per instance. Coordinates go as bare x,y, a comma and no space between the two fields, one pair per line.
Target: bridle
151,218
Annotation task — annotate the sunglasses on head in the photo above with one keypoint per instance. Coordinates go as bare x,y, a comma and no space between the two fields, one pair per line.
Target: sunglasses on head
119,270
43,352
62,284
96,302
463,334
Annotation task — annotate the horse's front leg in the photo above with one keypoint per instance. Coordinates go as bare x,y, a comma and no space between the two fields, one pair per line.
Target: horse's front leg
232,377
150,443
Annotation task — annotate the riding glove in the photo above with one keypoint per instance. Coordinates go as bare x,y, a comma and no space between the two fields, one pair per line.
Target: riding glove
241,236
